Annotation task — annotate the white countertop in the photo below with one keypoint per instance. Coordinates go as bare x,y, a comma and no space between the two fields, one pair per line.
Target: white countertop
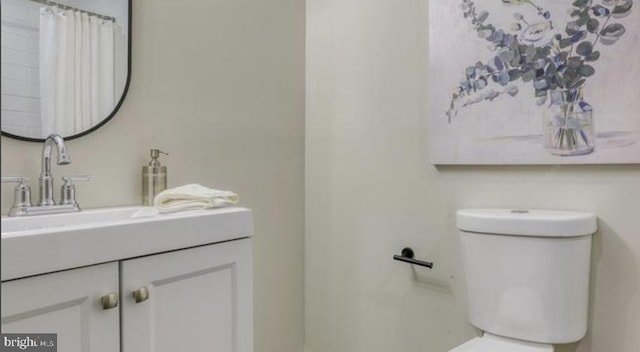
42,250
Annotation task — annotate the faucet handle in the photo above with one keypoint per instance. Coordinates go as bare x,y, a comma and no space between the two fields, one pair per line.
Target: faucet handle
21,194
18,179
68,179
68,189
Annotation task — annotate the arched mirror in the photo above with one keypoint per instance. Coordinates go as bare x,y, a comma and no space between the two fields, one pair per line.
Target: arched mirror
65,65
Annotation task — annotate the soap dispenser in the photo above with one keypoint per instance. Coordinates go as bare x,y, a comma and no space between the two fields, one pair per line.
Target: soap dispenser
154,178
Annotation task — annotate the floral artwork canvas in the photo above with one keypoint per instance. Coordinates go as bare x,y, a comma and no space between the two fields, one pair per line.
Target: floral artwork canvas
534,81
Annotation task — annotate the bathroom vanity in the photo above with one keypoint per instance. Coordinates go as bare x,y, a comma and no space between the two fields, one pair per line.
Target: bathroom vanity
103,281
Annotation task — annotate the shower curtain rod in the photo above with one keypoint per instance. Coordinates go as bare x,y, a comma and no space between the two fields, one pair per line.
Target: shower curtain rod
67,7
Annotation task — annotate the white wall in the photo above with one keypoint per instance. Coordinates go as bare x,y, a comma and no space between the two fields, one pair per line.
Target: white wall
220,86
370,190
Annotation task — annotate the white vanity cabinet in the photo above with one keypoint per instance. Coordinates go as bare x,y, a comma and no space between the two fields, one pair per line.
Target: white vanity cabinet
66,303
194,299
198,299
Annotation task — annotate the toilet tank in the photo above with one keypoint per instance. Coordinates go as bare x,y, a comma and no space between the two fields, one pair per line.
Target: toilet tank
527,272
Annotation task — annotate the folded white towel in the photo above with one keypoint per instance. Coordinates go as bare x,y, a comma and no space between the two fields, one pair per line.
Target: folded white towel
193,196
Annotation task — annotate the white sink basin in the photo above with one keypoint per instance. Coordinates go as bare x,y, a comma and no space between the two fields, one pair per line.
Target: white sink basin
12,226
39,244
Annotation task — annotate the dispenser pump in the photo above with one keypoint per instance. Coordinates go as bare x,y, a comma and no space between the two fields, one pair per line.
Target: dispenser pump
155,155
154,178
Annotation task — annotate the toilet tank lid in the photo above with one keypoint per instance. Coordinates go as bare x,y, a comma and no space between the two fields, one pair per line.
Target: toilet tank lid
527,222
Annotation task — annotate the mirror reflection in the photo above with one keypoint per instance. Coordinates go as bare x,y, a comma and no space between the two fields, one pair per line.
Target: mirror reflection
64,65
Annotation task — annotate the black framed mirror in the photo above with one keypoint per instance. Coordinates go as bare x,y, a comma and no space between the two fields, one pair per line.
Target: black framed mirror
66,66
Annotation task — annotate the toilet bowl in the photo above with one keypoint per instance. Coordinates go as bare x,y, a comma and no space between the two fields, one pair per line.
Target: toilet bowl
527,277
494,343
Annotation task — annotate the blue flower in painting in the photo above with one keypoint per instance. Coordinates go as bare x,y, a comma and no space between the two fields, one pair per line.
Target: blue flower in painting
539,51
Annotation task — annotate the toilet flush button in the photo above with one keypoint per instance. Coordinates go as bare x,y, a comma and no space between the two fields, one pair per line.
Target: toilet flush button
520,211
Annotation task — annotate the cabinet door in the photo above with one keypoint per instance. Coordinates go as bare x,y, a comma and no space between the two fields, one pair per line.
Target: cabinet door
198,299
67,303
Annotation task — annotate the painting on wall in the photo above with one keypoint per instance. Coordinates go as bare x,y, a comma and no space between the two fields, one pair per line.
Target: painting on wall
534,81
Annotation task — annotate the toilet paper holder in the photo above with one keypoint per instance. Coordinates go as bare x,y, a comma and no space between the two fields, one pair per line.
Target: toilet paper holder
407,255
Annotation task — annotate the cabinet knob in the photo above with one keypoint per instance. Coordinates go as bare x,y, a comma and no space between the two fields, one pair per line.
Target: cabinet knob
141,294
109,301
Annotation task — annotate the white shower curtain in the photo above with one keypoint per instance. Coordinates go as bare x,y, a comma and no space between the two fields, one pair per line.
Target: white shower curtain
76,70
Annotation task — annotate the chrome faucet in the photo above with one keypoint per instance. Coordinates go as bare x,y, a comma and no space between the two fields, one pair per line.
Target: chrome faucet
46,178
22,193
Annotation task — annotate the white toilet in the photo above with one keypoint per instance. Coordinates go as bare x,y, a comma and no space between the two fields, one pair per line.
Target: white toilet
527,277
